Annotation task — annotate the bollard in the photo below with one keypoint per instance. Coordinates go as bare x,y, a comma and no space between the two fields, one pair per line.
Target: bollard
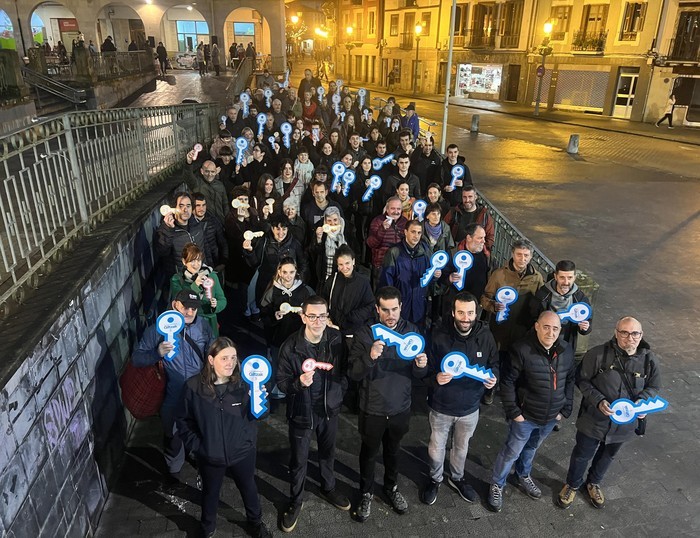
475,123
573,145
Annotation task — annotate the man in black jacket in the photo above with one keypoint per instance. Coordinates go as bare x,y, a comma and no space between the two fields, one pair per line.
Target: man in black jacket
426,164
455,402
623,367
176,230
537,389
314,398
385,399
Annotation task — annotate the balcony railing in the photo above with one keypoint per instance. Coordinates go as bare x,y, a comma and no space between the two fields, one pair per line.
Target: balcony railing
108,65
406,42
510,41
682,49
589,41
479,39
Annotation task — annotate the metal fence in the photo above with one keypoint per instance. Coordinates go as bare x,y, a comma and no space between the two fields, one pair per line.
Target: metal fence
109,65
62,175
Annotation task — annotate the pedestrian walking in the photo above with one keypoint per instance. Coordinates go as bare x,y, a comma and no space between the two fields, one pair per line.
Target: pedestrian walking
216,58
668,112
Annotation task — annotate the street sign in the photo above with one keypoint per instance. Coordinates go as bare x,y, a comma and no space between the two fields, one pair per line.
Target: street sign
540,70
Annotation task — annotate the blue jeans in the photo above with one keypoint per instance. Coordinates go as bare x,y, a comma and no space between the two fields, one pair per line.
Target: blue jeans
524,438
588,448
440,426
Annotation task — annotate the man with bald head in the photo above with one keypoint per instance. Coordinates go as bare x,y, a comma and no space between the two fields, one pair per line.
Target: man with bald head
537,389
623,367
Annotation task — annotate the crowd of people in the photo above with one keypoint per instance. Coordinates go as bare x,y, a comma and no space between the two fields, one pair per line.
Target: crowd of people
314,260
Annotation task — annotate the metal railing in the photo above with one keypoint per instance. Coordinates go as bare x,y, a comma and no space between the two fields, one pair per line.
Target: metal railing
406,41
110,65
481,39
63,175
53,86
239,82
589,41
510,41
684,48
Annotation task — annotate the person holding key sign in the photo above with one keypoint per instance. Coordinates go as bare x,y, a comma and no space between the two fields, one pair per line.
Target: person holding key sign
216,424
623,367
314,399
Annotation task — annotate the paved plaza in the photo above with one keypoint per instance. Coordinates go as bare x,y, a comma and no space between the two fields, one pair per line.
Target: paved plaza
627,210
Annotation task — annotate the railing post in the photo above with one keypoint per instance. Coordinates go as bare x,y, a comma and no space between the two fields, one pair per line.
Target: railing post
75,170
142,146
176,136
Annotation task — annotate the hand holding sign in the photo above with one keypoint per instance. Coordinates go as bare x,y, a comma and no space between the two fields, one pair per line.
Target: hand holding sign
261,120
336,103
256,371
268,97
419,209
166,210
625,411
463,261
378,163
237,204
438,261
506,296
457,365
320,91
249,235
197,148
361,94
169,324
286,308
408,346
208,284
375,183
577,313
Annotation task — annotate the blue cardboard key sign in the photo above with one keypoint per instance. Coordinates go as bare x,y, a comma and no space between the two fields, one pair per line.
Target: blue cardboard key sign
626,411
375,183
256,371
438,261
506,295
457,365
169,324
408,346
577,313
463,261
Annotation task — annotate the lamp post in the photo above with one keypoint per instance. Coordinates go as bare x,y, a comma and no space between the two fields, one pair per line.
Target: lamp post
545,49
349,45
418,29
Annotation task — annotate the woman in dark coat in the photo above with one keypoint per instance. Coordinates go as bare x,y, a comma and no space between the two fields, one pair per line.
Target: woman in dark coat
215,423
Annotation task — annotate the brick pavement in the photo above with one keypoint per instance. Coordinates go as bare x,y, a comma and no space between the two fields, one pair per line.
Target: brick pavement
654,487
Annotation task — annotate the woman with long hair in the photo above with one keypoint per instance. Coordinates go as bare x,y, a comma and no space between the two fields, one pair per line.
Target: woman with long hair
216,424
266,191
194,276
402,191
278,322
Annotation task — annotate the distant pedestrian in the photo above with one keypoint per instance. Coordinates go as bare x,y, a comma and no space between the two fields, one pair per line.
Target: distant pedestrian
162,57
391,80
668,112
216,58
200,60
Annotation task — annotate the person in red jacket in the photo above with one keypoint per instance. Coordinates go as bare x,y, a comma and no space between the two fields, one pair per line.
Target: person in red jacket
385,230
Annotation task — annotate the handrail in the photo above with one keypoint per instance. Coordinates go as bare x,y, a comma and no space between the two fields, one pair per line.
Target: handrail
240,79
64,175
50,85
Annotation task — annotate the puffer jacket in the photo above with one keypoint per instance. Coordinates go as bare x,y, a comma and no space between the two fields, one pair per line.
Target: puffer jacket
277,330
350,301
219,429
171,241
519,320
183,365
458,223
403,269
536,383
460,397
325,395
599,378
385,383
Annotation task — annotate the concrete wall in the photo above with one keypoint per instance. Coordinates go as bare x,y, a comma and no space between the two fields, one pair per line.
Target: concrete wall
63,426
111,92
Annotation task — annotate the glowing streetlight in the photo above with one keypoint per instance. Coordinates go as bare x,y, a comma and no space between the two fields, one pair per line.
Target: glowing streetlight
294,19
349,45
418,29
545,50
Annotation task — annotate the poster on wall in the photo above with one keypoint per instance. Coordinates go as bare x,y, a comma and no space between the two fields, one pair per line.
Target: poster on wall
478,78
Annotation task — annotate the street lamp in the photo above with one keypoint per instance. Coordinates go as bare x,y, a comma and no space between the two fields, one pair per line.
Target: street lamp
419,29
349,45
545,49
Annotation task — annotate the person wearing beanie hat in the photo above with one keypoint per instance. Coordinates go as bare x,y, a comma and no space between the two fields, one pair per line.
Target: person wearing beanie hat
410,120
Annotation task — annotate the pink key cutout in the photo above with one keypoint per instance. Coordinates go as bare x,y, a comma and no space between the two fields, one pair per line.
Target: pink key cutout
208,284
312,364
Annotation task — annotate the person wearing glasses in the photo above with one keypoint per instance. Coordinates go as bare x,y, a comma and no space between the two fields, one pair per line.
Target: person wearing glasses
623,367
314,397
537,389
208,183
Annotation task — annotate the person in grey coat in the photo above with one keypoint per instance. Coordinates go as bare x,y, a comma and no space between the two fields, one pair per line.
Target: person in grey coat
623,367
